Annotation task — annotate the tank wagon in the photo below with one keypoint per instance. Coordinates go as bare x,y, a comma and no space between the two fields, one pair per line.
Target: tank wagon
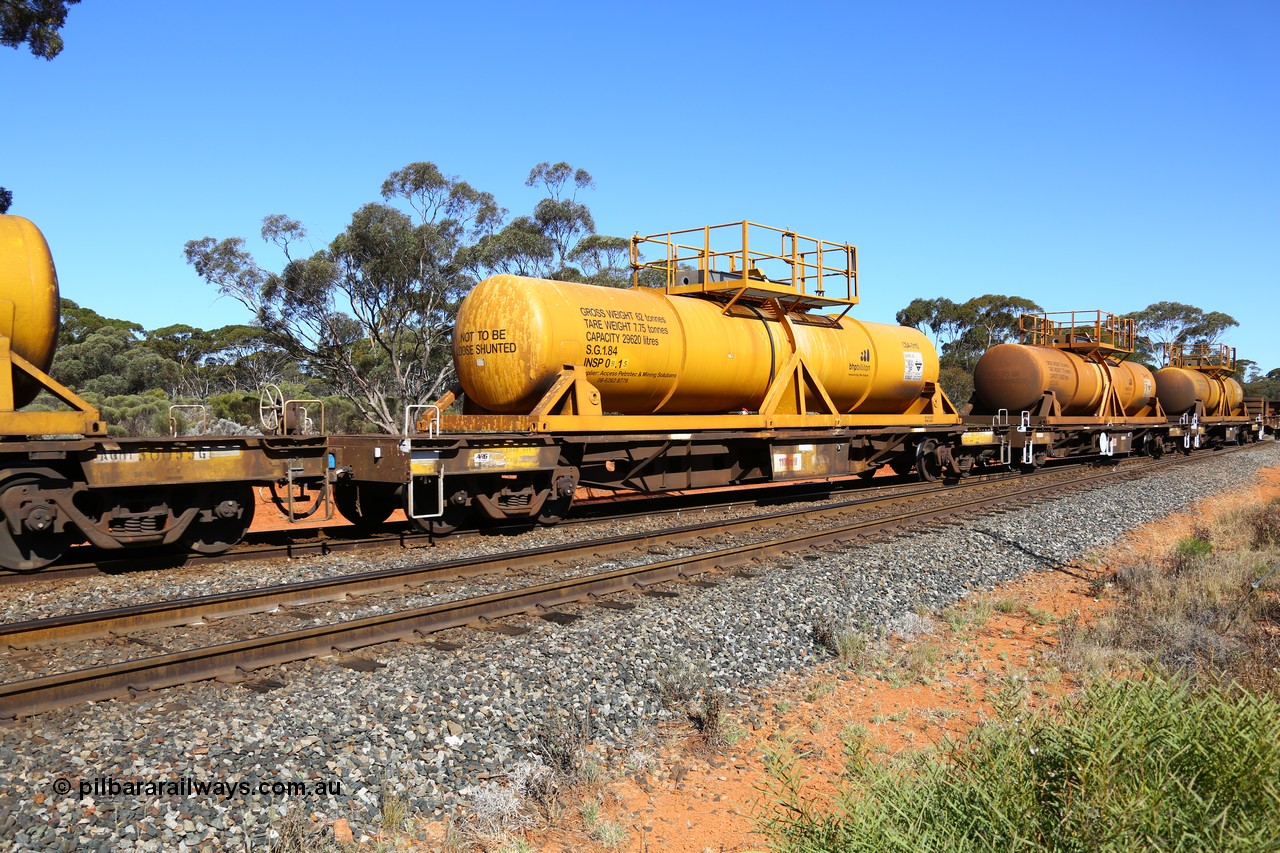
1199,383
1070,392
732,360
715,369
64,480
1267,411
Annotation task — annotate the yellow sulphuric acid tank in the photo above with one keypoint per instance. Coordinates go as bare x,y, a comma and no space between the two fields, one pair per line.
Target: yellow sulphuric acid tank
650,353
1179,388
1015,377
29,307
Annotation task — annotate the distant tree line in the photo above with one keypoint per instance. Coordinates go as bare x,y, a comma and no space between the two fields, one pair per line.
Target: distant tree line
133,375
964,331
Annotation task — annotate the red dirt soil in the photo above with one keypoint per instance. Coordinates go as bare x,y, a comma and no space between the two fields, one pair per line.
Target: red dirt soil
711,807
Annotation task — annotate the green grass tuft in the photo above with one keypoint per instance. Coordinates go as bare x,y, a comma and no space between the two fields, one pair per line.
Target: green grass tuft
1130,765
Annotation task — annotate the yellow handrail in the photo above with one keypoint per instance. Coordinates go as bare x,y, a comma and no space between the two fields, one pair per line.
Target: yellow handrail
730,255
1078,330
1211,358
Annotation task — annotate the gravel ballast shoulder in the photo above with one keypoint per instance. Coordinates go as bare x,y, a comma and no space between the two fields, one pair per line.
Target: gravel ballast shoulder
422,722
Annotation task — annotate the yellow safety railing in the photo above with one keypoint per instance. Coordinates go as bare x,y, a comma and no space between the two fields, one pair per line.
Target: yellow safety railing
1079,331
740,256
1210,358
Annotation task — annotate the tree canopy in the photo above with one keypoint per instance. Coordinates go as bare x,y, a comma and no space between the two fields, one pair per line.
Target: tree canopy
35,23
558,239
371,314
104,357
964,331
1163,323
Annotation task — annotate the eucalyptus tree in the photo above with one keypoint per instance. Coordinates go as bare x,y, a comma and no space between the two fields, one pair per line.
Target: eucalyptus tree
35,23
1163,323
371,313
964,331
241,359
558,240
943,319
105,357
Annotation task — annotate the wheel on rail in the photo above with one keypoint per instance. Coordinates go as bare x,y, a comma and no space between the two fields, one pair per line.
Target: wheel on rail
224,515
455,516
554,511
366,505
928,465
29,535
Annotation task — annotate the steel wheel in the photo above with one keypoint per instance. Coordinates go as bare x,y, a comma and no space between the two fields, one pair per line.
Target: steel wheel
453,518
365,505
35,545
927,464
231,507
554,511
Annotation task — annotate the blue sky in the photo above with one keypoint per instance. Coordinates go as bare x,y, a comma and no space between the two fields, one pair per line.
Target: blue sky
1087,155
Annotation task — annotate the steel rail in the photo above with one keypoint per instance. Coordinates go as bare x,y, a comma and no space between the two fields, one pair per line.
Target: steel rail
236,659
596,510
162,614
410,539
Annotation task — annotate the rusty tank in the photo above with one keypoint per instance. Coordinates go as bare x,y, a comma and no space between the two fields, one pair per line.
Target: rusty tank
29,307
651,353
1016,376
1179,388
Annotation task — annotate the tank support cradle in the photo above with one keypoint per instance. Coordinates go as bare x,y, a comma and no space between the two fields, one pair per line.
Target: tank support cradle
83,419
795,398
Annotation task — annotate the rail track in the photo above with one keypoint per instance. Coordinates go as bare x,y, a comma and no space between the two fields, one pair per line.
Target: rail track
320,541
235,660
304,541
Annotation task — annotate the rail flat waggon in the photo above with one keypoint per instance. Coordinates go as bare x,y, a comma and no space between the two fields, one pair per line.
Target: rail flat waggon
64,480
731,361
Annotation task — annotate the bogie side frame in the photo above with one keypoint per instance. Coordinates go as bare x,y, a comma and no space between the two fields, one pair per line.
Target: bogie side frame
64,481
